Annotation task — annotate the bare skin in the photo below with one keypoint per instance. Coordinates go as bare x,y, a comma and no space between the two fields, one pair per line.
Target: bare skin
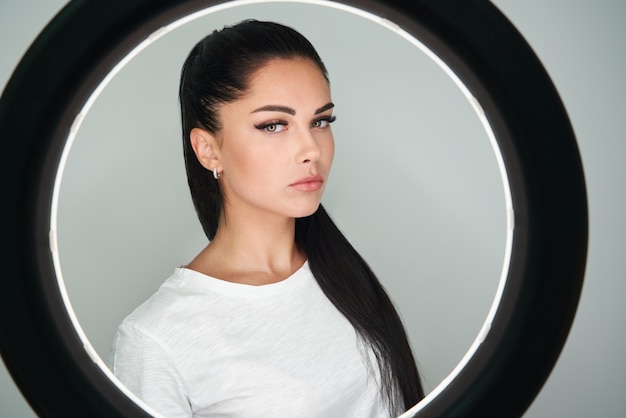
274,153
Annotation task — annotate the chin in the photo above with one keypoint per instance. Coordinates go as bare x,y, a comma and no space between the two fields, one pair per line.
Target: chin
308,211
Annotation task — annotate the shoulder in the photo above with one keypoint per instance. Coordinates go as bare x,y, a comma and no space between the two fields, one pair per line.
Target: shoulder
178,298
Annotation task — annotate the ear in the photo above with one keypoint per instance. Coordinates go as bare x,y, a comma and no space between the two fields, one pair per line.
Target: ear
206,147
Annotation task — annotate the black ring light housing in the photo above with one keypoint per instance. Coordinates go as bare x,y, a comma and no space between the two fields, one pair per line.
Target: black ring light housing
42,349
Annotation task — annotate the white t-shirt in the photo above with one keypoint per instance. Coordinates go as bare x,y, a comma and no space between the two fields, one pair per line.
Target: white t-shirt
204,347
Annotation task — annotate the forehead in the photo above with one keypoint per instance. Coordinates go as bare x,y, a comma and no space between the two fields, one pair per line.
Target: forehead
289,77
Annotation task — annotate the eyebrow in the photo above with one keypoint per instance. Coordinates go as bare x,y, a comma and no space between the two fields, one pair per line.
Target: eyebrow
327,106
286,109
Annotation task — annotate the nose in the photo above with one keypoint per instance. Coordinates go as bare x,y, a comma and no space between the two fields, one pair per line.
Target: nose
309,150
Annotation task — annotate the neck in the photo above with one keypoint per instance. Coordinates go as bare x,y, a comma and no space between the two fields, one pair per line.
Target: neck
253,250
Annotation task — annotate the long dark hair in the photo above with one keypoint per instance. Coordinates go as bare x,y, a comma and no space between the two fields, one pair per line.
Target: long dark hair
217,71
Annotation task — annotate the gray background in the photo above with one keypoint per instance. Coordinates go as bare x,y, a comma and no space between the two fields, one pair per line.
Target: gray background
441,270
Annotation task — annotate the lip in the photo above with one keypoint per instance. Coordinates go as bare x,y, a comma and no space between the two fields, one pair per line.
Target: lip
309,183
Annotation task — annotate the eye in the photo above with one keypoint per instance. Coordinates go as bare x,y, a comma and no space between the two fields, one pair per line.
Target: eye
272,127
323,122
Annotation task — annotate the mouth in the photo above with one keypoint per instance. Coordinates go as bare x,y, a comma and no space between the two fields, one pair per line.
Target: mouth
308,184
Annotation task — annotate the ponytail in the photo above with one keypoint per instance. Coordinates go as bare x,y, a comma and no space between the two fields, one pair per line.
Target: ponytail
353,288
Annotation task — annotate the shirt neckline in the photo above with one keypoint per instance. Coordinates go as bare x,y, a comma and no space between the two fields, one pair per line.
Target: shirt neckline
183,274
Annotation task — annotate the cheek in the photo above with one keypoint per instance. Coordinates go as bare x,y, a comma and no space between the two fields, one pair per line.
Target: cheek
246,166
250,166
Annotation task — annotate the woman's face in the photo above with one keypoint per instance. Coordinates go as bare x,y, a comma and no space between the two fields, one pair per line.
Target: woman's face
276,145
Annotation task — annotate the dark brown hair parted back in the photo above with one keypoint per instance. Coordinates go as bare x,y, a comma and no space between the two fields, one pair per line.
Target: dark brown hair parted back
217,71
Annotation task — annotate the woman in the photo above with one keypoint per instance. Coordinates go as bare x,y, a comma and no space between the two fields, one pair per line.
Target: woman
278,316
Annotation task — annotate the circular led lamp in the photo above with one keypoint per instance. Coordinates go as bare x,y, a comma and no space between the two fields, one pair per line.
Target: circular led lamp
54,85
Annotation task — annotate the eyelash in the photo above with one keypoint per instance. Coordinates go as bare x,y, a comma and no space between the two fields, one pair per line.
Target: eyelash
266,125
327,119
